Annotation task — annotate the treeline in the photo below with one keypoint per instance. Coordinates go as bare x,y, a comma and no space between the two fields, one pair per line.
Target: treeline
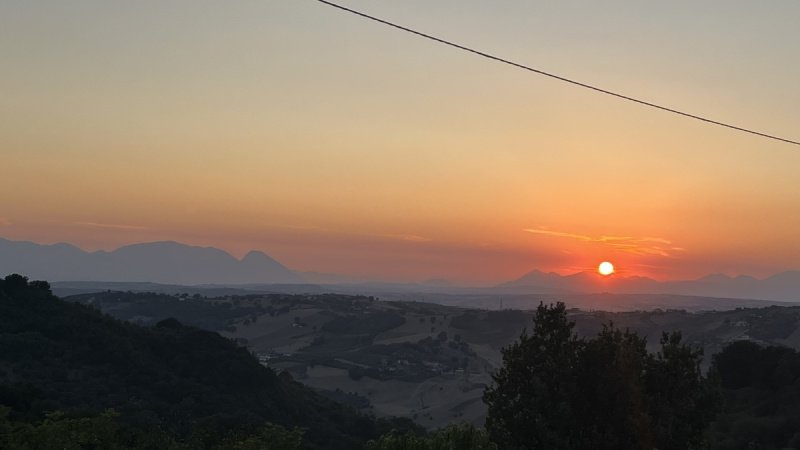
71,377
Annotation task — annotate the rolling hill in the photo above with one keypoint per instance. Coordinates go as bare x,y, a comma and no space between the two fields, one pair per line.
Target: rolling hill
177,379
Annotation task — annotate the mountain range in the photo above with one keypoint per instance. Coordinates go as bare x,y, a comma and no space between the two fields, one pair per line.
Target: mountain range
170,262
784,286
159,262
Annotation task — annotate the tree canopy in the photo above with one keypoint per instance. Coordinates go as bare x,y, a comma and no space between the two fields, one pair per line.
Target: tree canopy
761,386
556,391
460,436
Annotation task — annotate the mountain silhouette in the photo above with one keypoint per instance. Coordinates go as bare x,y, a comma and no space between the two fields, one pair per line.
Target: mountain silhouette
784,286
159,262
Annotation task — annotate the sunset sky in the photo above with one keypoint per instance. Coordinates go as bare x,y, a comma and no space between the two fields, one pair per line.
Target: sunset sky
338,145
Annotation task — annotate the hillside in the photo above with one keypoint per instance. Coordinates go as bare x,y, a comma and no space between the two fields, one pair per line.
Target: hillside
427,362
187,382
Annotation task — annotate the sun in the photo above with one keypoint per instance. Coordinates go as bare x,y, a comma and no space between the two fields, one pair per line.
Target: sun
605,268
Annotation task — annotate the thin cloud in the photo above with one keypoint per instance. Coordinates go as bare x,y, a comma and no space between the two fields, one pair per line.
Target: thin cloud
299,227
636,245
407,237
545,232
114,226
332,231
658,240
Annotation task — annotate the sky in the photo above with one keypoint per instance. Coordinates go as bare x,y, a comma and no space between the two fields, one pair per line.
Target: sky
338,145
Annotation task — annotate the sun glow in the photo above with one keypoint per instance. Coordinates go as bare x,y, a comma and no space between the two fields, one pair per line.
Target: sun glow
605,268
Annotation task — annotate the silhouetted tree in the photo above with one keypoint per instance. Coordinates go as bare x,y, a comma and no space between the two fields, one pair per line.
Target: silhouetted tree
611,401
681,402
761,395
556,391
532,402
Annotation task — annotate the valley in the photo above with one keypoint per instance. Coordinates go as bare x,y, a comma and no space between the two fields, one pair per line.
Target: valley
424,361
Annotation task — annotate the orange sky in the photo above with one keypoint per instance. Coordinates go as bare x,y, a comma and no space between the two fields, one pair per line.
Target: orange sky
336,145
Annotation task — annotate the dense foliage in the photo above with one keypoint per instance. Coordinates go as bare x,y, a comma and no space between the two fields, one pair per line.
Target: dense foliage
556,391
59,431
453,437
184,384
761,386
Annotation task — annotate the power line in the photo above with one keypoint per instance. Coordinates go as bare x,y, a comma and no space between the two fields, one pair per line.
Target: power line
557,77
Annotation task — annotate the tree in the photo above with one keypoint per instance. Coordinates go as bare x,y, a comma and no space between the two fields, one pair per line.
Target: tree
531,403
611,399
762,397
556,391
682,403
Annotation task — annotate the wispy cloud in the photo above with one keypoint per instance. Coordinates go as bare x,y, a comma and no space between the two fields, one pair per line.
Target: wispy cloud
407,237
114,226
338,232
298,227
636,245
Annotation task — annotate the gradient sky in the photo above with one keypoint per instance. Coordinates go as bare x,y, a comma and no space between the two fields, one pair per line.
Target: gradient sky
338,145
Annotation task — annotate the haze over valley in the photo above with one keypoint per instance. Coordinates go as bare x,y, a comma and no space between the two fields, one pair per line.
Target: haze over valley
171,263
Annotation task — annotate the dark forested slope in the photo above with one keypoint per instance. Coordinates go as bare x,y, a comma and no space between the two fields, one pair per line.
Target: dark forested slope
187,382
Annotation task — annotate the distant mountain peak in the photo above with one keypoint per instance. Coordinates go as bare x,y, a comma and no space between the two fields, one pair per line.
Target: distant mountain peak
745,278
167,245
715,277
788,275
784,286
256,255
159,261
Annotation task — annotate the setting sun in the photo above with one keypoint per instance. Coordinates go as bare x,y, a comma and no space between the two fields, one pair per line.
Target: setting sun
605,268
